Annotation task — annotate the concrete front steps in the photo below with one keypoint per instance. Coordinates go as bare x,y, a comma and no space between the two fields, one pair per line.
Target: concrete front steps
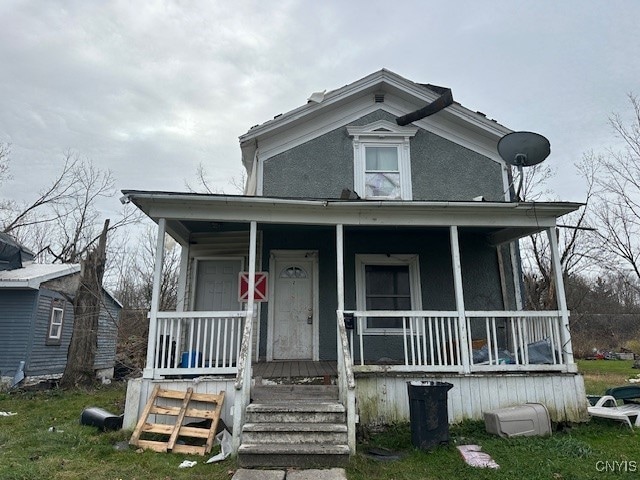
294,426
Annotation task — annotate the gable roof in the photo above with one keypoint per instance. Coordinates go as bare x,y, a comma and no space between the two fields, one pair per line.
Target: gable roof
407,95
33,275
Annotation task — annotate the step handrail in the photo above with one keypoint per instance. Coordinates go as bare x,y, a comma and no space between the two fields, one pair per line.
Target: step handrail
242,384
346,381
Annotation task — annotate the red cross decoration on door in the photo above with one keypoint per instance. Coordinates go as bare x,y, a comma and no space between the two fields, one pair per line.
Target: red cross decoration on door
260,290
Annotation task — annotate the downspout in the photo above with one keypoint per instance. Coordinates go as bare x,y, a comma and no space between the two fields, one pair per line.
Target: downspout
251,186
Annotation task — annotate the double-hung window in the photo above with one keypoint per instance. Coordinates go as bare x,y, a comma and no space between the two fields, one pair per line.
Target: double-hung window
387,283
54,335
382,161
381,172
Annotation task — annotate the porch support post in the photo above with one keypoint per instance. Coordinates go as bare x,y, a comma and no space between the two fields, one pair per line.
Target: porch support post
346,382
182,278
457,282
252,267
155,300
243,389
340,265
561,298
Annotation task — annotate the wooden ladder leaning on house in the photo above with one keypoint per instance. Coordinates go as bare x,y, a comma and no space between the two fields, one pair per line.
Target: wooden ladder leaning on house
178,430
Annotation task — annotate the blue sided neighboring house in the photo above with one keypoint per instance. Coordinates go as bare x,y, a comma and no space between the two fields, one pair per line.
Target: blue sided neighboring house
36,317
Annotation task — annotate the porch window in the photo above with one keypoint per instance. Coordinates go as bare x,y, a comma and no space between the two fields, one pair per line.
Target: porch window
387,283
54,336
382,161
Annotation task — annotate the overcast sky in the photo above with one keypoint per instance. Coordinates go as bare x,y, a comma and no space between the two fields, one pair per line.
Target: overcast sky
151,89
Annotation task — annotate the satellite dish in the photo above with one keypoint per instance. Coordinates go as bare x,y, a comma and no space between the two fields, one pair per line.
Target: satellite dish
523,149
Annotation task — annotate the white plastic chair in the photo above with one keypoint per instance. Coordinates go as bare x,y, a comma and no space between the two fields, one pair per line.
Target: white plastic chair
607,407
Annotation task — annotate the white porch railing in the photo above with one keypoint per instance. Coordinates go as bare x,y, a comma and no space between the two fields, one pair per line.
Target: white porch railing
196,343
242,385
531,340
432,341
346,382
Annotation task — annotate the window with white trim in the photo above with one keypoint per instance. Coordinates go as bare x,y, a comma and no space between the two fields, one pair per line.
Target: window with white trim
382,160
387,282
56,319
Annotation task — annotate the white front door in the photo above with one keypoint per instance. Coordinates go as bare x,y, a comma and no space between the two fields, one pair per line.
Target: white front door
293,316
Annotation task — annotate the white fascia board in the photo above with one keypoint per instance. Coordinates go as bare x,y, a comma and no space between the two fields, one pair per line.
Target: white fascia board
294,137
331,119
17,284
309,108
34,281
441,124
479,141
373,82
364,213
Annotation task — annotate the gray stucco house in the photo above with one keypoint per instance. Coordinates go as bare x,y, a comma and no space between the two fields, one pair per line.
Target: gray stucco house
389,252
36,316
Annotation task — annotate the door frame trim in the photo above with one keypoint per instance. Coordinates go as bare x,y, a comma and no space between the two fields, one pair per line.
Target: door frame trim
312,255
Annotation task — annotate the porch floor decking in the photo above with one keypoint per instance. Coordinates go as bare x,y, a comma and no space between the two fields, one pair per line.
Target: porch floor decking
294,369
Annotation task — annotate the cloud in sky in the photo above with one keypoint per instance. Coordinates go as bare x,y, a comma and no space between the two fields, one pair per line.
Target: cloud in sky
151,89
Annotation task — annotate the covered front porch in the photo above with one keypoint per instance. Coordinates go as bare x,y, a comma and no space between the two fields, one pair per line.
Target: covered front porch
502,346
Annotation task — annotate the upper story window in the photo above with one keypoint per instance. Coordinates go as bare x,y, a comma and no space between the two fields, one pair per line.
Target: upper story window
382,160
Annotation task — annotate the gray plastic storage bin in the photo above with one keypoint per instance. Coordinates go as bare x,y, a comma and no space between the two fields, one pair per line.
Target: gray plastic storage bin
521,420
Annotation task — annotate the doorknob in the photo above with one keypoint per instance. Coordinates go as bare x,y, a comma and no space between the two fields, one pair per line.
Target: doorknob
310,316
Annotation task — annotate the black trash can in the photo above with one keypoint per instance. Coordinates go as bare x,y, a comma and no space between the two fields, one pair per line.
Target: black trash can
428,413
97,417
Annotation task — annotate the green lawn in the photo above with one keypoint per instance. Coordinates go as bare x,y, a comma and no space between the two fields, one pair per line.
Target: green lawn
28,450
578,453
602,374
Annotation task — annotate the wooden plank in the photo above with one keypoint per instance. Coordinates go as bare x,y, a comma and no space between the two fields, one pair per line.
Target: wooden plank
194,432
180,419
165,410
208,397
189,449
269,370
163,428
214,426
177,429
160,447
175,394
143,417
199,413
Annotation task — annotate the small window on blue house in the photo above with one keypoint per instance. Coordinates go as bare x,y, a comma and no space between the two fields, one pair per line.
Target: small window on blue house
56,320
